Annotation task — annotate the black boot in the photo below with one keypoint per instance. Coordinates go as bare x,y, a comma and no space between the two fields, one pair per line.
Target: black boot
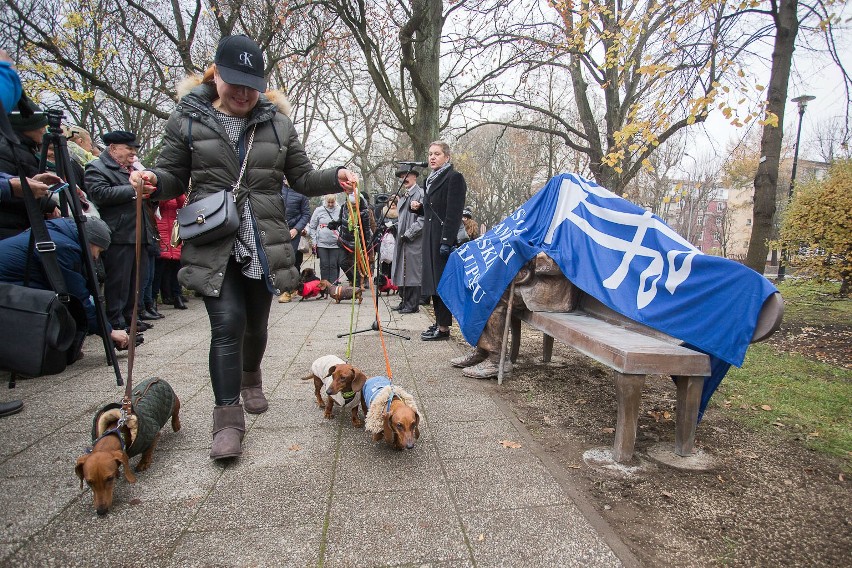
179,303
151,309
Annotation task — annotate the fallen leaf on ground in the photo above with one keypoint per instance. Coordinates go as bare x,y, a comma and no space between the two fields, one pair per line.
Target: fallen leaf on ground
814,434
667,494
841,478
295,448
136,501
607,430
667,415
510,444
721,480
574,466
481,537
765,407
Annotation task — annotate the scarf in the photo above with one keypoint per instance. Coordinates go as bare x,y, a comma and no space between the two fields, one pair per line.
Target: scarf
435,174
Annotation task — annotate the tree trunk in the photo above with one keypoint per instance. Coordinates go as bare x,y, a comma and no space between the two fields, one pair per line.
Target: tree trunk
422,63
766,180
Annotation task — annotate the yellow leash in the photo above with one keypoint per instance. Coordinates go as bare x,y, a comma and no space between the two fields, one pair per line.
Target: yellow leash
361,246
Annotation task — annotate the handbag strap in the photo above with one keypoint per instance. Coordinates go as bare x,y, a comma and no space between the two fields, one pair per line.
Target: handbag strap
236,185
40,238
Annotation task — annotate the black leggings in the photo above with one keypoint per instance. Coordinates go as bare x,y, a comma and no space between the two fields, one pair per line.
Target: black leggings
238,322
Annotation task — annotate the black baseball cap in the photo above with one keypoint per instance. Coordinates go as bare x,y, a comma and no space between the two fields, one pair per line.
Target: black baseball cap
240,62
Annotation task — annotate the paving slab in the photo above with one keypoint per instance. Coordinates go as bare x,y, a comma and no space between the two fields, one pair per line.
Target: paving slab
308,491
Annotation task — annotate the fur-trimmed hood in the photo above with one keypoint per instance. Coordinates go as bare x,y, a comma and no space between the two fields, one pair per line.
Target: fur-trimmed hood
276,97
375,421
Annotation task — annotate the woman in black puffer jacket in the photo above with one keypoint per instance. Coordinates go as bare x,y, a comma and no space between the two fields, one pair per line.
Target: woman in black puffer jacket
205,141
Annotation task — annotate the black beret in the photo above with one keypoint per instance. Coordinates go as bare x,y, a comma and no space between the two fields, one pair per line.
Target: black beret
120,137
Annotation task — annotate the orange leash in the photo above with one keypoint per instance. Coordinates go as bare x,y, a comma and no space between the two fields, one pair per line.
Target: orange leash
372,284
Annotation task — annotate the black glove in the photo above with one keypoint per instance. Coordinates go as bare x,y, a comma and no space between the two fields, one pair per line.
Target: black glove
445,251
333,225
402,239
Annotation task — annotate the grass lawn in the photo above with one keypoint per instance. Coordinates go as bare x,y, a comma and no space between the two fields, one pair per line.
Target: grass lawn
792,394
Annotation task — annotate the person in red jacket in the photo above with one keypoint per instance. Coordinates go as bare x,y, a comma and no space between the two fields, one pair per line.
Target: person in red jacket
166,270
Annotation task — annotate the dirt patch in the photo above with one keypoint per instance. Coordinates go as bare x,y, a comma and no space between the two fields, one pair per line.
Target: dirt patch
767,501
827,343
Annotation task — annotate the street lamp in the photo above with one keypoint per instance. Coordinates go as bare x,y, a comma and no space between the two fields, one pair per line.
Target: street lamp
802,101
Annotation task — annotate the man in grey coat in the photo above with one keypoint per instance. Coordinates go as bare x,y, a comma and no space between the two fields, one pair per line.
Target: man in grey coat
108,184
407,268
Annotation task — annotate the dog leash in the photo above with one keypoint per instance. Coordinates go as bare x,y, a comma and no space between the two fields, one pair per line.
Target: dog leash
360,246
361,239
354,221
126,402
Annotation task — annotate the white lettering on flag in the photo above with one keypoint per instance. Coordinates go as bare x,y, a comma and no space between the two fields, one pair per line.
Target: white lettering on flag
573,195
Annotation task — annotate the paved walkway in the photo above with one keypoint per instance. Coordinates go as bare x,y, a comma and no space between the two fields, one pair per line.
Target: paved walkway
307,491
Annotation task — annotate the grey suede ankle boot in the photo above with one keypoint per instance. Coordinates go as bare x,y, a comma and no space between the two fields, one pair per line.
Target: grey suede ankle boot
251,390
229,426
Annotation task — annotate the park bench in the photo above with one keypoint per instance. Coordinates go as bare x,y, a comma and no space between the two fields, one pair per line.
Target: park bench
632,351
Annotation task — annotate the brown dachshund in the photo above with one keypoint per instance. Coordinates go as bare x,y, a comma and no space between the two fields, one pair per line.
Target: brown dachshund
401,426
339,293
113,446
342,382
391,413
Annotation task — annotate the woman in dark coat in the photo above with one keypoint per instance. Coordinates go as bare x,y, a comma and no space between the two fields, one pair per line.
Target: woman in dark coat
220,122
442,207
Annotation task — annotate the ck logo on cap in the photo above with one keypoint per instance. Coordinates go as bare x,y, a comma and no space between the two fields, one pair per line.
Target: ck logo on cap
245,59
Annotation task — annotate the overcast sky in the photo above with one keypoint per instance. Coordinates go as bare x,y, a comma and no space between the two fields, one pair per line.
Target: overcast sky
812,74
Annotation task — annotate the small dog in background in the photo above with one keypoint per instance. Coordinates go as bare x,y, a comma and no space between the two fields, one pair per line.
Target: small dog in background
311,286
153,402
339,293
342,382
391,413
386,285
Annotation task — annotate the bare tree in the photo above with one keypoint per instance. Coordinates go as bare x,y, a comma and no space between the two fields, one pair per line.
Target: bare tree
639,73
111,62
832,139
424,69
786,18
496,165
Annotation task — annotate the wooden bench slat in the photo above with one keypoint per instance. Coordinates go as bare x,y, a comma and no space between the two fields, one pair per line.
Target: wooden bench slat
624,350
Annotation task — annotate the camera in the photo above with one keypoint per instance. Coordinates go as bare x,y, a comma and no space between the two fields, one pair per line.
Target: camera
54,118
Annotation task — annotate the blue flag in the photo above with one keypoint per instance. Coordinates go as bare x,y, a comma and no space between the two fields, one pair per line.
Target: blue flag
624,256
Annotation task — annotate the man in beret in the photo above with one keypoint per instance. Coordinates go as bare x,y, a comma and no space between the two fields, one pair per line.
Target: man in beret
107,181
407,270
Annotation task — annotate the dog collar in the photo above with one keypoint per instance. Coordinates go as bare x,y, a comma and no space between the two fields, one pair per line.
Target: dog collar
115,431
347,395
